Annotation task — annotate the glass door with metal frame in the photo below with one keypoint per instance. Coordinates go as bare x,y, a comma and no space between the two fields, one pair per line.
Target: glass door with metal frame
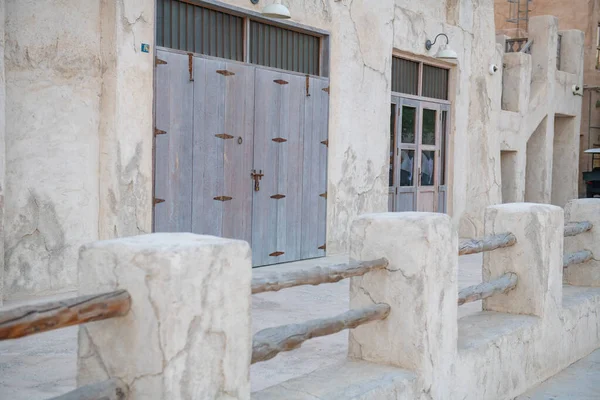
416,165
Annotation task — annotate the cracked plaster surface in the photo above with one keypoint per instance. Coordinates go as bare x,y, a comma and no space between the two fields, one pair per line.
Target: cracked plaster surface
188,332
52,90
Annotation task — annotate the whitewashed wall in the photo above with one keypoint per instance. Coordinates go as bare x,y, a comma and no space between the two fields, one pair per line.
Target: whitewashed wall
79,117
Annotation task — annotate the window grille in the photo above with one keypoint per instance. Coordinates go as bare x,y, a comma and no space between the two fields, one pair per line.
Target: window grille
192,28
435,82
419,79
281,48
405,76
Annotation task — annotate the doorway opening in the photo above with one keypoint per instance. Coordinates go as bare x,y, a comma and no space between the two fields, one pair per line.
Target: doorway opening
241,130
419,129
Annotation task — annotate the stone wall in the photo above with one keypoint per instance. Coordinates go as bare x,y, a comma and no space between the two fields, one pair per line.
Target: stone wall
419,350
2,144
540,116
497,353
79,109
79,154
53,92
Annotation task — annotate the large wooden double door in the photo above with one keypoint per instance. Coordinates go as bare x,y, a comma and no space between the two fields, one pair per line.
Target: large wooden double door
241,152
418,136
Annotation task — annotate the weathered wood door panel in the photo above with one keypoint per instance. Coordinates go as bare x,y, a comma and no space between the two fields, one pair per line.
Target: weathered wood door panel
314,173
208,147
223,141
226,121
173,157
278,153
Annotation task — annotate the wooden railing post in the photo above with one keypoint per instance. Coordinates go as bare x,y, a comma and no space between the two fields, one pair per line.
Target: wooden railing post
187,334
588,273
419,284
536,258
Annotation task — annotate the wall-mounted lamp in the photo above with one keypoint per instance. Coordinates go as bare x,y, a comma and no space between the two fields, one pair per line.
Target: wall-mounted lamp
445,51
276,10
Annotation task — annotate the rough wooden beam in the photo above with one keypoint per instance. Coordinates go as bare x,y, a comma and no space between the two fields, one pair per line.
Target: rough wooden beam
27,320
112,389
314,276
575,228
272,341
578,257
488,243
504,284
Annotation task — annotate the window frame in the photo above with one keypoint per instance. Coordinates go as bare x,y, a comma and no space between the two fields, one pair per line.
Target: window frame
419,95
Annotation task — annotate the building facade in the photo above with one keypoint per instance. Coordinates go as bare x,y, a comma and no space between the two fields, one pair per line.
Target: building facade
511,19
168,115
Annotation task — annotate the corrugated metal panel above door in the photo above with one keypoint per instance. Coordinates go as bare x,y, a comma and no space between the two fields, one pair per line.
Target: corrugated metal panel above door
435,82
281,48
188,27
405,76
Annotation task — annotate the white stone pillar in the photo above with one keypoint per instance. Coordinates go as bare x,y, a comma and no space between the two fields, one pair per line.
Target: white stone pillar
536,258
516,82
187,335
420,334
587,274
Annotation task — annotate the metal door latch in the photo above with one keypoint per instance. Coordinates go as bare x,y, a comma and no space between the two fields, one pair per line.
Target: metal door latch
257,178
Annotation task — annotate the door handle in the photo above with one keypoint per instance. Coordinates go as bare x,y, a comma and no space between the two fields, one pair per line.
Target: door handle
257,178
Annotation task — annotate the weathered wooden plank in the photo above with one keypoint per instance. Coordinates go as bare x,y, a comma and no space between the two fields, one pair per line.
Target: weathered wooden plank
272,341
112,389
488,243
209,120
310,175
575,228
314,276
161,144
267,125
289,175
504,284
239,119
323,136
28,320
578,257
174,153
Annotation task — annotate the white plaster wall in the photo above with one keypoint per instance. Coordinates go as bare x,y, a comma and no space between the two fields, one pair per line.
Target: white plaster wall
536,92
125,135
53,87
2,146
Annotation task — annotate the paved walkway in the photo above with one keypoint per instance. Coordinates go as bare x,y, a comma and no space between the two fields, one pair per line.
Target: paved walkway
581,381
42,366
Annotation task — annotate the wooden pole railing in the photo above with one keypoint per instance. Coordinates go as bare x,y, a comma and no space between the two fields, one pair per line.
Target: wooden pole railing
576,228
578,257
487,243
272,341
112,389
504,284
314,276
28,320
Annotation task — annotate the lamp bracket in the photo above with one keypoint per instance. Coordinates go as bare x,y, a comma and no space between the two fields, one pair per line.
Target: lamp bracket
429,44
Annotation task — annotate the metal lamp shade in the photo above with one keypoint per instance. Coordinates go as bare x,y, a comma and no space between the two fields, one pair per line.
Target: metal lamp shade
276,10
446,53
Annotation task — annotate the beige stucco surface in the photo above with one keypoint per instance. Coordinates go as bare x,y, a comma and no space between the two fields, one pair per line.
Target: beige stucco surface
41,366
79,109
53,88
185,316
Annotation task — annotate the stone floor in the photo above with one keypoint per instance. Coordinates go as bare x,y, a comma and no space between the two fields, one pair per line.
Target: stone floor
580,381
42,366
